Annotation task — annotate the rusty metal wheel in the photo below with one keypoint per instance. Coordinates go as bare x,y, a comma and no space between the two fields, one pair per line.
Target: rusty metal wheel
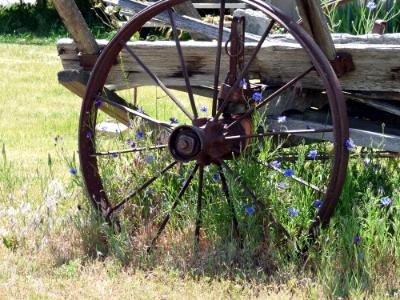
167,156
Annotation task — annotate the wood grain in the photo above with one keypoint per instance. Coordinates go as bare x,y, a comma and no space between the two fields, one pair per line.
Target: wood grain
279,60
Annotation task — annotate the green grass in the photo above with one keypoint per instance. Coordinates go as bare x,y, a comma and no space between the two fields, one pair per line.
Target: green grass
356,18
53,246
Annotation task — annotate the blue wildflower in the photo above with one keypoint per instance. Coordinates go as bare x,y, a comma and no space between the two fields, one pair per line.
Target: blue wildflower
131,143
312,154
140,134
243,83
276,164
98,103
371,5
294,212
173,120
349,144
203,109
149,191
318,203
140,110
250,210
282,119
114,155
257,96
385,201
216,177
366,161
73,171
288,172
357,239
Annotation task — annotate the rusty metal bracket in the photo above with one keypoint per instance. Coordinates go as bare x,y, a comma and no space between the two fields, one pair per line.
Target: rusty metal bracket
395,73
343,63
87,61
379,27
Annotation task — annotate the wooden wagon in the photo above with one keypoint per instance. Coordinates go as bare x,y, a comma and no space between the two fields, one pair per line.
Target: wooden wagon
284,76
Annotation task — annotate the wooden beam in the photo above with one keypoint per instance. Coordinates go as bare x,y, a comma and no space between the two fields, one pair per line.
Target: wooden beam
361,137
76,80
187,9
279,60
76,26
186,23
381,105
314,21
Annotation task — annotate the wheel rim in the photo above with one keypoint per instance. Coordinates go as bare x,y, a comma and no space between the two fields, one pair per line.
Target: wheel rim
89,144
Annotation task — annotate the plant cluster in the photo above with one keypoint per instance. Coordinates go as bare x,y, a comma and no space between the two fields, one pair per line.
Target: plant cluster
358,17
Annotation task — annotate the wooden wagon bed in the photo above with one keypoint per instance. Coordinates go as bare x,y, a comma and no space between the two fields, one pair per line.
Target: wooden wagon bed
375,81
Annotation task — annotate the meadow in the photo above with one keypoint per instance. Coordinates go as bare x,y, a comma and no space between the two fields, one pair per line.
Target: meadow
54,246
47,227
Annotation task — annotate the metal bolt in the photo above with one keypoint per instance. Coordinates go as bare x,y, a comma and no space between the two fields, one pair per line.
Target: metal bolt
185,144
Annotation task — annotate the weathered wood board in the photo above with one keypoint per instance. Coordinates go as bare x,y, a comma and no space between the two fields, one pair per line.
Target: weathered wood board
361,136
376,58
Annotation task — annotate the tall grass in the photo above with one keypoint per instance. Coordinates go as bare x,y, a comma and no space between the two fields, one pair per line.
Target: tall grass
54,245
358,17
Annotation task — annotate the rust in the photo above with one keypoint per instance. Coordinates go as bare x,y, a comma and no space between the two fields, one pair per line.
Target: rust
379,27
395,73
206,143
343,64
87,61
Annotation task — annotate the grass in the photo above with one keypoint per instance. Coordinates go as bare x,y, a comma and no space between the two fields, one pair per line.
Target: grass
356,18
53,246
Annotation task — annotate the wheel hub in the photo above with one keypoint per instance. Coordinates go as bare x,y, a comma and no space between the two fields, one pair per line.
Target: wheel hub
185,143
205,141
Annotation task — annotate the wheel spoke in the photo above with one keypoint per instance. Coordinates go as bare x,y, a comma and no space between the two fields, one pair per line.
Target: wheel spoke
245,69
159,82
218,56
198,210
256,201
272,96
138,149
183,64
274,133
135,112
139,190
225,189
293,177
174,205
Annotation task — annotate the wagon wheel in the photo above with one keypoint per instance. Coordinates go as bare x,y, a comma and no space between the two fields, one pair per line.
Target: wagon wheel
181,151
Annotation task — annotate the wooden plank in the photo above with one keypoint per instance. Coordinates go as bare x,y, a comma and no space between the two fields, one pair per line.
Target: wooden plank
76,80
288,6
182,22
278,61
187,9
76,26
315,23
364,138
381,105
